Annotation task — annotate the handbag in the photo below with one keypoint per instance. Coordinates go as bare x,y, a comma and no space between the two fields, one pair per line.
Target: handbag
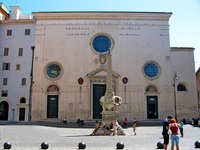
169,132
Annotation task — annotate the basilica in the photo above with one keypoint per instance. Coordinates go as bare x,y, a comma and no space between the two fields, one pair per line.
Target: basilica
65,68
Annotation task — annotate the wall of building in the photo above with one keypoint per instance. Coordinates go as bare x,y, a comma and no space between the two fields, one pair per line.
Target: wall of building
62,39
14,86
183,64
66,39
198,88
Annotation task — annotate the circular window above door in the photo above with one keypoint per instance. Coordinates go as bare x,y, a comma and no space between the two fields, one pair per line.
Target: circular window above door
53,71
151,70
101,43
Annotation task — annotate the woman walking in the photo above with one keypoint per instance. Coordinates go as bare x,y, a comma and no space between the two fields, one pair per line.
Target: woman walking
134,125
173,126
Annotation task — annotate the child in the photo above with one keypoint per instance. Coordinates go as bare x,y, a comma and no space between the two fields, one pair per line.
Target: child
181,127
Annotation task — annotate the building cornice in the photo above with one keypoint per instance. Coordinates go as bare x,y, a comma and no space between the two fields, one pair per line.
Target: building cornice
161,16
182,49
11,22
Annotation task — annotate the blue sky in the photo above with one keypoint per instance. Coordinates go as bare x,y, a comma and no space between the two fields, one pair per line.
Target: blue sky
184,22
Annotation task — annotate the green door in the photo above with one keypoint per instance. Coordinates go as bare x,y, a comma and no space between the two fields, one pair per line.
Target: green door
152,107
98,91
52,106
22,114
4,108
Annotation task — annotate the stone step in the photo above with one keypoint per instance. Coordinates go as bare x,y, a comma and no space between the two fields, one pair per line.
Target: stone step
73,123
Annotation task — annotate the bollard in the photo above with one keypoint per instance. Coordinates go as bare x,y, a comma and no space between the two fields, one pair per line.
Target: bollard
120,145
44,145
160,145
7,145
197,144
82,145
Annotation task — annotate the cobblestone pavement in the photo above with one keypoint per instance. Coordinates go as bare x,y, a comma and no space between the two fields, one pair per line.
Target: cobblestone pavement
30,137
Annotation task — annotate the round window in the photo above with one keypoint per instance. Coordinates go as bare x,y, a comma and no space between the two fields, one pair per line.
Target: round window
151,70
101,43
53,71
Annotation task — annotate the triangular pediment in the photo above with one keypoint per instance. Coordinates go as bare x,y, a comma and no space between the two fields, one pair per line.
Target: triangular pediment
101,72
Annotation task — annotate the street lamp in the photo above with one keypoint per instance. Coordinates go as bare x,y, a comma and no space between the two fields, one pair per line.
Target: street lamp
31,84
174,84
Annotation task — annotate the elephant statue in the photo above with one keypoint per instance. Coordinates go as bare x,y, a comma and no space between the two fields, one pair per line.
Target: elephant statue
110,101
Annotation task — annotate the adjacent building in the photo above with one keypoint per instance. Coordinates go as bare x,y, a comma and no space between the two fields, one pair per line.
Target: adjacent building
198,87
16,39
4,12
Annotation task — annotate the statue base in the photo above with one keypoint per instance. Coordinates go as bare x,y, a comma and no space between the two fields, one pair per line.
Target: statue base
107,118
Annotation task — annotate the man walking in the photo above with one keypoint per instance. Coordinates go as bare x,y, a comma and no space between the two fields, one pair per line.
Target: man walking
164,131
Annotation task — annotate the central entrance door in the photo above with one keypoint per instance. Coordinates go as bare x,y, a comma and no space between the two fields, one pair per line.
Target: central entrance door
52,106
152,107
98,91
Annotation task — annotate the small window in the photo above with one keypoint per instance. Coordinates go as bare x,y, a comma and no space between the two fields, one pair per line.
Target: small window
5,81
181,87
20,53
27,31
23,81
17,66
9,32
6,50
6,66
4,93
22,100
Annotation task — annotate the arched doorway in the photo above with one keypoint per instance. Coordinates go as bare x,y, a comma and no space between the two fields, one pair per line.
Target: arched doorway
4,107
152,102
52,101
22,109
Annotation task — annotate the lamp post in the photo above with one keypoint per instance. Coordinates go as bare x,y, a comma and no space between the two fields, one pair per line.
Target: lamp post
31,84
174,84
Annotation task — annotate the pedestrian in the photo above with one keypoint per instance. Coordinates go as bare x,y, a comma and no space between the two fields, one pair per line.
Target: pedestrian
134,125
165,130
111,129
65,121
173,126
124,122
181,127
97,126
105,129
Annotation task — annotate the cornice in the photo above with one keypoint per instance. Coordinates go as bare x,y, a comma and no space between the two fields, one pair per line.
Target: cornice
161,16
11,22
182,49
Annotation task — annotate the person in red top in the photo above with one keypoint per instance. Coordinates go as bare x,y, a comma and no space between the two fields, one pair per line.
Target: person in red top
124,122
173,126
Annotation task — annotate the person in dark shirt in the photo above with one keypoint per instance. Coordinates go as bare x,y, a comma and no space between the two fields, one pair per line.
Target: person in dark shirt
165,130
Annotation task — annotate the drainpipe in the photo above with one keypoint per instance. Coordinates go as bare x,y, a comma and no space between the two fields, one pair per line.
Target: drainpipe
31,84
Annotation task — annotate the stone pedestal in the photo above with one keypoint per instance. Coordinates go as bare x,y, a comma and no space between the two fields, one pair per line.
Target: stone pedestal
107,118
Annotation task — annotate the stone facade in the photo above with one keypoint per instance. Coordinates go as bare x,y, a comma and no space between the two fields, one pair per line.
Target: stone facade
70,74
70,66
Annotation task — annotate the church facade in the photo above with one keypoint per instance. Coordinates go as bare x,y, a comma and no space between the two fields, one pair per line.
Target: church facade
70,66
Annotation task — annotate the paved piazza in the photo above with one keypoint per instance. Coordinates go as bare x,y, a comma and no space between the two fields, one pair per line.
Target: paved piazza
30,137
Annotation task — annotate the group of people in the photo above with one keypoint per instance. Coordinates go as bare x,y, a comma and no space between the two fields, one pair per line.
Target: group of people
65,121
113,127
111,130
171,127
124,124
